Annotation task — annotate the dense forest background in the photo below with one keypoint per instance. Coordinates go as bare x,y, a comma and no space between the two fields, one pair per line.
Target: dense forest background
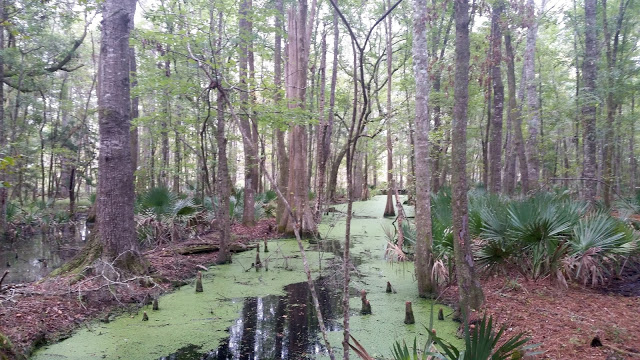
527,134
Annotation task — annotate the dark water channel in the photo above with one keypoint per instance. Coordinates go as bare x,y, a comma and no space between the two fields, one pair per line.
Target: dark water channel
35,253
276,327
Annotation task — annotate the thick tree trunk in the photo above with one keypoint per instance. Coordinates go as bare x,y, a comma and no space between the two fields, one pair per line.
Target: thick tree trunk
495,137
116,226
590,101
297,61
424,240
470,292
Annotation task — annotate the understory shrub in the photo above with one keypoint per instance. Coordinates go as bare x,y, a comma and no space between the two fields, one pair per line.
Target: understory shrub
542,235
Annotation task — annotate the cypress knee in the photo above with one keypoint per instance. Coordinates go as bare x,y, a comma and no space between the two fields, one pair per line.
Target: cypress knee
199,282
440,315
408,316
258,263
389,289
366,306
155,304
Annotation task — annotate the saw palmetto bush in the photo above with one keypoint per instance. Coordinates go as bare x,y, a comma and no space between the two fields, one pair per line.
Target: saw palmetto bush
551,235
163,216
598,244
481,342
539,226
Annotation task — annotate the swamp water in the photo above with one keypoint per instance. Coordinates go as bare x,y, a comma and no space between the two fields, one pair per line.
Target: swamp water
33,255
244,314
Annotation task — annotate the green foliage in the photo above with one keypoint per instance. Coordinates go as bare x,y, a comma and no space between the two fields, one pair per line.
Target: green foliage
597,243
481,343
164,216
402,352
159,201
12,211
548,234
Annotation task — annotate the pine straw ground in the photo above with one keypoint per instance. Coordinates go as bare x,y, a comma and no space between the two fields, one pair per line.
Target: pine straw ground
563,322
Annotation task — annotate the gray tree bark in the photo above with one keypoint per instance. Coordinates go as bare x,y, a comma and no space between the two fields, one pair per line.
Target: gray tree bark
388,209
532,147
250,152
469,290
3,139
296,65
495,137
281,147
224,185
323,134
424,239
135,147
115,199
590,100
509,178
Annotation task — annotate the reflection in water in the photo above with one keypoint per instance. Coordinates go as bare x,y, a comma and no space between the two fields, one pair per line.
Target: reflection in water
276,327
33,255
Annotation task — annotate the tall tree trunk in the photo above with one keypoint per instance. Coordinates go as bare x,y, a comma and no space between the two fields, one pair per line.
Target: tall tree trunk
388,209
469,290
223,186
115,200
177,158
611,101
163,180
590,100
322,147
509,178
135,100
3,140
495,141
532,146
424,239
250,151
297,61
281,149
328,129
437,147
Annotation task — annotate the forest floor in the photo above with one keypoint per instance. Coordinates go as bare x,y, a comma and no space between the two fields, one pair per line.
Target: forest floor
565,321
36,313
562,321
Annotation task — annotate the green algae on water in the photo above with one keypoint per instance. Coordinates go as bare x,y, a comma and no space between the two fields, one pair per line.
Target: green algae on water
202,321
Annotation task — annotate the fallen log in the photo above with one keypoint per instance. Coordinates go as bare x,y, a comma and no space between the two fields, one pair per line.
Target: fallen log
206,248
